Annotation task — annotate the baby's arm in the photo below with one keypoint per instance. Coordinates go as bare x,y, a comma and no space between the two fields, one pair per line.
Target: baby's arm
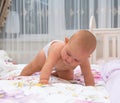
46,71
87,73
35,65
51,60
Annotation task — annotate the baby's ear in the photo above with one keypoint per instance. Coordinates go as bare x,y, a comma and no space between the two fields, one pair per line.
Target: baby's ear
66,39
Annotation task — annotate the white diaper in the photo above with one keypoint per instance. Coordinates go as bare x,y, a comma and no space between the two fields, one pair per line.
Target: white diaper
46,48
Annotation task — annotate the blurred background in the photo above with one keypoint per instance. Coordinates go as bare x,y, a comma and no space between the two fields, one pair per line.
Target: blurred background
29,24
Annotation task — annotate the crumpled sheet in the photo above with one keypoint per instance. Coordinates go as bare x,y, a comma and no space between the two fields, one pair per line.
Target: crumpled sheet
110,71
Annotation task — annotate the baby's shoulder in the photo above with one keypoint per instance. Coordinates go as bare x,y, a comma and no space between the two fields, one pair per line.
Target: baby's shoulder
56,47
57,44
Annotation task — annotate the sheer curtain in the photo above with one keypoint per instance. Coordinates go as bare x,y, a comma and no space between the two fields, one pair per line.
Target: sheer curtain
107,13
44,20
56,18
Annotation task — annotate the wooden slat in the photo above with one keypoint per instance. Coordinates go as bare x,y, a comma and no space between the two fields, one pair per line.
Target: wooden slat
114,46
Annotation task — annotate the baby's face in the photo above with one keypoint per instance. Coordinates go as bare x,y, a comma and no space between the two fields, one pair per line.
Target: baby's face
73,55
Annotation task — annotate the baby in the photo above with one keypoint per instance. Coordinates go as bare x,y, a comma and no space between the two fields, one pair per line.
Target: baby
63,57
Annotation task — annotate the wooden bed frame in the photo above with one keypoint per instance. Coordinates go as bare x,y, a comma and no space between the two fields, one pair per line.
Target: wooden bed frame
108,42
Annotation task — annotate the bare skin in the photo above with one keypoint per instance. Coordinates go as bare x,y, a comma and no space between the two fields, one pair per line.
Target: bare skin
64,57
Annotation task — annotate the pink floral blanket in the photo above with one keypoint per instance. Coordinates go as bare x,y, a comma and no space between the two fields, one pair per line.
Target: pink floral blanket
26,88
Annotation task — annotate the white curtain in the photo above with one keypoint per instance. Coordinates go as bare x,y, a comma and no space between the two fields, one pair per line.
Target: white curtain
56,18
12,23
44,20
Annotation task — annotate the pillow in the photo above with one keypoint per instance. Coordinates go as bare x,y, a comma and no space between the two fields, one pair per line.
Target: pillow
111,74
109,67
4,56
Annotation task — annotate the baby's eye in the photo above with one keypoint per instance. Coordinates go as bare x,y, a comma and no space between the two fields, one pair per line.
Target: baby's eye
76,60
68,54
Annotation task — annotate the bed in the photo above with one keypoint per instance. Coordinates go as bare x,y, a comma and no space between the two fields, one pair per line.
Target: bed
26,88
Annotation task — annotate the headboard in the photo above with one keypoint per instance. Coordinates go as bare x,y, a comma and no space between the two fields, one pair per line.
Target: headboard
108,42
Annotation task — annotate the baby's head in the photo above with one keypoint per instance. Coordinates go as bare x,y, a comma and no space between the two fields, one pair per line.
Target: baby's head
79,47
83,40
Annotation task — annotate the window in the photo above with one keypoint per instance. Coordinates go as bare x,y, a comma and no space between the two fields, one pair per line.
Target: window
35,18
77,14
33,15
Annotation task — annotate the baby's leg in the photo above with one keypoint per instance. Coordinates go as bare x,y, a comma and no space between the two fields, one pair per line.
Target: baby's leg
35,65
66,74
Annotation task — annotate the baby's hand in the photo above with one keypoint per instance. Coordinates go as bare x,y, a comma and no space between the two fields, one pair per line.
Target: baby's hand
39,84
43,82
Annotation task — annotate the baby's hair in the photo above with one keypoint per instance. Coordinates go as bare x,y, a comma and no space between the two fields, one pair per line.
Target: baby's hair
85,40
